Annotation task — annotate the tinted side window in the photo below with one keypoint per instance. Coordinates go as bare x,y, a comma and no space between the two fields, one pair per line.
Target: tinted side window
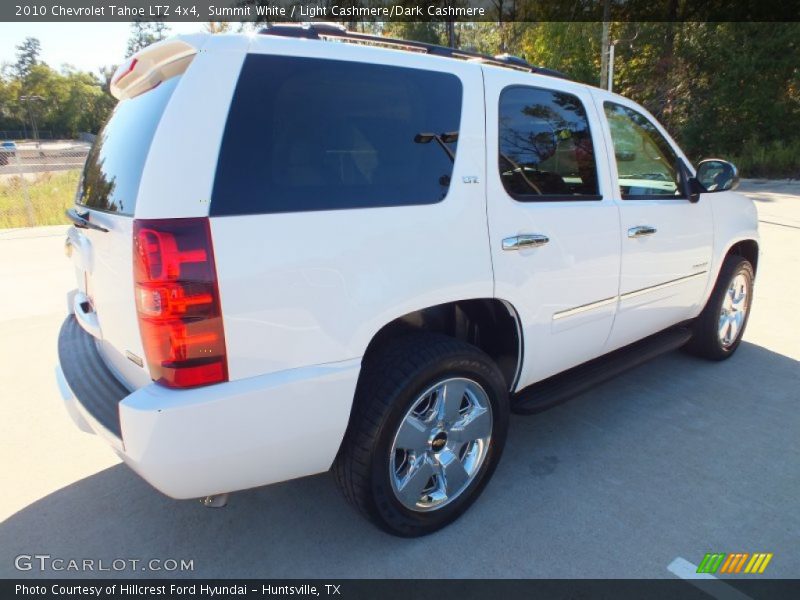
546,150
647,166
311,134
110,180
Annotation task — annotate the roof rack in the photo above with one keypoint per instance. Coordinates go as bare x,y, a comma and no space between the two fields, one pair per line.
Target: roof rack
323,31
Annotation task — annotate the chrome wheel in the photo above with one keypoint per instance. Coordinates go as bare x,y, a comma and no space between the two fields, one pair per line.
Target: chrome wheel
441,444
734,310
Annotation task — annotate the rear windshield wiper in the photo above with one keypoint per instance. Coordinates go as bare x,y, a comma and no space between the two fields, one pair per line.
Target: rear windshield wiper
81,221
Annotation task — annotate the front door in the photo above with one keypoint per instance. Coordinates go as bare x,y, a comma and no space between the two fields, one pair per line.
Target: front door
666,239
553,225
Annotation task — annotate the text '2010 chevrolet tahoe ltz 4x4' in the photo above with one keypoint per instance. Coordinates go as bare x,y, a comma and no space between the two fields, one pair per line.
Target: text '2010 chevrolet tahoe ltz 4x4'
294,255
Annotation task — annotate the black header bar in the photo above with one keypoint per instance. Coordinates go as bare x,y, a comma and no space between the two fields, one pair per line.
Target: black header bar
353,11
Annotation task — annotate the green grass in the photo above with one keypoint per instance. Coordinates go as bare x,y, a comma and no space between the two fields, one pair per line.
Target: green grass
777,160
50,195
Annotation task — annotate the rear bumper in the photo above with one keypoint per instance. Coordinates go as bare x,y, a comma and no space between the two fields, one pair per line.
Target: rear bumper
212,439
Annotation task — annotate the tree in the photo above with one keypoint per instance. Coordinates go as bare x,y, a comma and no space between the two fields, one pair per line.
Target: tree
12,113
726,89
106,75
218,26
144,33
27,56
428,32
573,48
67,102
485,38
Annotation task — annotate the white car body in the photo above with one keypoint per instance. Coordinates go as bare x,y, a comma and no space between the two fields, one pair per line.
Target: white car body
304,293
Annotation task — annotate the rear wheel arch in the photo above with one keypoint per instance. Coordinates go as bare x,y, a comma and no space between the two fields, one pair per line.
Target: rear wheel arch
490,324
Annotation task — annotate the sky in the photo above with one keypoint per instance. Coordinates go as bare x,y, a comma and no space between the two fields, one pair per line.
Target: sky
87,46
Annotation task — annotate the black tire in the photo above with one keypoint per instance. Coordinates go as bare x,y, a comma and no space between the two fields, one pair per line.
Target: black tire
705,341
392,380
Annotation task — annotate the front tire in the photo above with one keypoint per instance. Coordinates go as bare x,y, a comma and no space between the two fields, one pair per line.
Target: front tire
428,427
718,330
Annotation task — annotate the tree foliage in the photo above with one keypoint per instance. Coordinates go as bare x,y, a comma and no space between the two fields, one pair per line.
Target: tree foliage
144,33
730,89
27,56
721,89
218,26
71,101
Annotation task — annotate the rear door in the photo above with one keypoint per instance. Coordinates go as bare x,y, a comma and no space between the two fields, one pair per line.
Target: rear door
554,228
107,196
666,239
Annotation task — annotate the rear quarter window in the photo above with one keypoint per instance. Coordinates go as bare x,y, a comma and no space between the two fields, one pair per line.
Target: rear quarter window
309,134
113,169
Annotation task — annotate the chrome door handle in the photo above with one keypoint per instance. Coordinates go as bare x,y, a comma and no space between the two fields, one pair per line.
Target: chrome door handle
525,240
641,231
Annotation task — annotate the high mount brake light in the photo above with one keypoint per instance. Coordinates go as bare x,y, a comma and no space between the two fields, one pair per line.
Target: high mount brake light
177,301
131,66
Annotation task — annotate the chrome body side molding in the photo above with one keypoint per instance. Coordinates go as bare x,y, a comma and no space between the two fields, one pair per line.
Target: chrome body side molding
584,308
632,294
661,286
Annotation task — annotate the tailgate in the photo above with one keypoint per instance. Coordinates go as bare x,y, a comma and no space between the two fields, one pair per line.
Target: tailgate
104,305
103,253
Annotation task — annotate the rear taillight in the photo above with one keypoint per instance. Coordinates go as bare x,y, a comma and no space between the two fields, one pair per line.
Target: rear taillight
177,300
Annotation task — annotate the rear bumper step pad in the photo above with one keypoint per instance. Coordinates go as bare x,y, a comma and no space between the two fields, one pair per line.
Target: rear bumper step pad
92,382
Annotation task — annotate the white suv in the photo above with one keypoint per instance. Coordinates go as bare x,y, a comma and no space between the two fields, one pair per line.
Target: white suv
293,255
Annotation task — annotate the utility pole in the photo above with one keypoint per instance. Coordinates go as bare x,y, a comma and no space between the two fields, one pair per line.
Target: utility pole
611,66
604,45
611,52
450,27
28,100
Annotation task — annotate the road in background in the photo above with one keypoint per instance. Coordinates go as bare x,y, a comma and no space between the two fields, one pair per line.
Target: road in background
675,459
31,158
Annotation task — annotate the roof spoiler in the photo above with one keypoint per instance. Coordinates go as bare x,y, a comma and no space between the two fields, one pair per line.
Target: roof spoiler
154,64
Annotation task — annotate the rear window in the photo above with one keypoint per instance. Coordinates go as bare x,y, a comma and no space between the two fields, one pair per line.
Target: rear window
309,134
114,166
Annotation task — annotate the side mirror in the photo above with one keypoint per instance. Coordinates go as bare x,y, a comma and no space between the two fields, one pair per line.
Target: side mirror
717,175
691,187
